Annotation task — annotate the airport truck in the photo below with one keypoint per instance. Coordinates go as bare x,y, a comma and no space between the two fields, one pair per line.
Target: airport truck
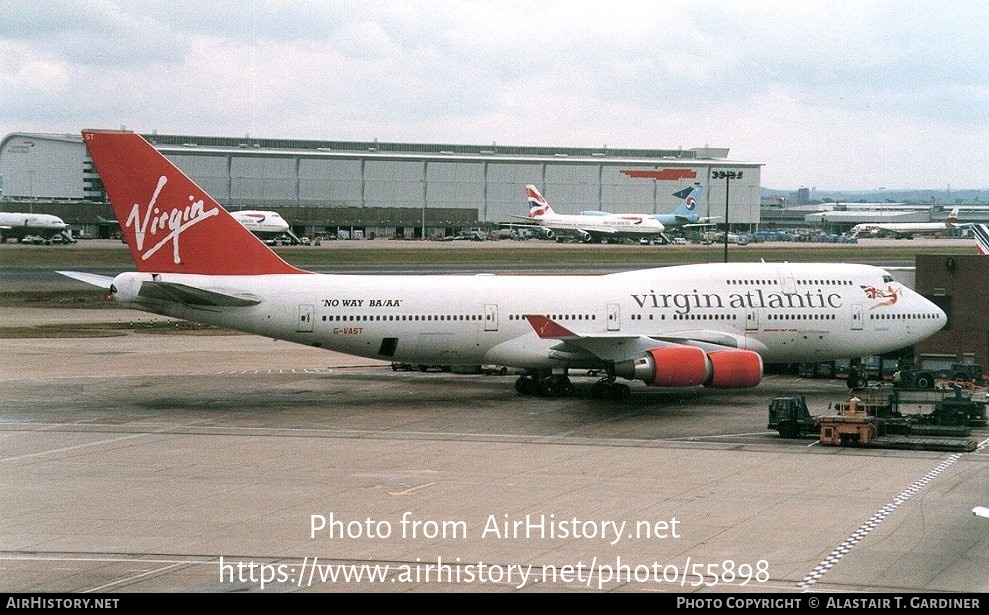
925,378
877,422
790,417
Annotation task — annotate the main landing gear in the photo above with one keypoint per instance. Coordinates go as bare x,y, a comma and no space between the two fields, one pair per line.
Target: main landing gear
545,384
548,384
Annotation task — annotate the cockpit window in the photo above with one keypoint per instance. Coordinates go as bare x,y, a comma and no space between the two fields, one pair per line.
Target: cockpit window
887,278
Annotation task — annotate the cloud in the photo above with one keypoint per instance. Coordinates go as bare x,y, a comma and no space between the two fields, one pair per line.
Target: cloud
825,93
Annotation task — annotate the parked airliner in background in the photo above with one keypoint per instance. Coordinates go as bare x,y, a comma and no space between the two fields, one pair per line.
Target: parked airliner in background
905,229
685,215
43,226
695,325
589,226
265,224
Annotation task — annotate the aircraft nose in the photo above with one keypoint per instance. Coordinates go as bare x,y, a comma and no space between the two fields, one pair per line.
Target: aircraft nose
940,318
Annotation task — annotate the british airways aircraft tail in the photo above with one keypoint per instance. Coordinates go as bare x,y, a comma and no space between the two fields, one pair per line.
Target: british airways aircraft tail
537,203
160,211
981,232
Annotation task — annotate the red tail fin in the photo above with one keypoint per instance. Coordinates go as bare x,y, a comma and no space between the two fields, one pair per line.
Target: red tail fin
171,224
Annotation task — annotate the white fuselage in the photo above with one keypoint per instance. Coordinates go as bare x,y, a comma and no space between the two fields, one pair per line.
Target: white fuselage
902,228
23,224
785,312
263,223
602,224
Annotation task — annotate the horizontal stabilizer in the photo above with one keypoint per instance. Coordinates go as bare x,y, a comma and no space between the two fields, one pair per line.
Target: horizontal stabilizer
89,278
190,295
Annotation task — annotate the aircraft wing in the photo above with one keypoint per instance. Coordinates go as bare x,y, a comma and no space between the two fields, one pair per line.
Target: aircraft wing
620,347
564,228
890,230
599,232
702,221
688,358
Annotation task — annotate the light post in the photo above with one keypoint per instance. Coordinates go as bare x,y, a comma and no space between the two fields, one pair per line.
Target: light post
30,189
727,176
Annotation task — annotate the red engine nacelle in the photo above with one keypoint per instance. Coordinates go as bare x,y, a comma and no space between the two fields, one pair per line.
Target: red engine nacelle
735,369
687,366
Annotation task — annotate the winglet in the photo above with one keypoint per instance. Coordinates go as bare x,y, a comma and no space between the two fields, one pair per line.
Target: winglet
546,328
172,225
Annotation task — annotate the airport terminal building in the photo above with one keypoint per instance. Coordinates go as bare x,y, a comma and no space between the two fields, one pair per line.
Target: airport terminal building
401,190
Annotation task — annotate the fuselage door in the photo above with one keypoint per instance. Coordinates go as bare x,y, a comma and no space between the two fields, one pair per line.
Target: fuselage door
305,322
752,320
614,317
856,317
490,316
786,280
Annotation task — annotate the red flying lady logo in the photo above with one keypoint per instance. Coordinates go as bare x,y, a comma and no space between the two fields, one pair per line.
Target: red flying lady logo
890,295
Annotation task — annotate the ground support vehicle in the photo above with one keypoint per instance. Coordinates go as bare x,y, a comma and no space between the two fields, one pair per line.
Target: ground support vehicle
872,420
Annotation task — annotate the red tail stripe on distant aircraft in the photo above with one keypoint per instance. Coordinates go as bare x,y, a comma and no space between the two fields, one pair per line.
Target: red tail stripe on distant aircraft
662,174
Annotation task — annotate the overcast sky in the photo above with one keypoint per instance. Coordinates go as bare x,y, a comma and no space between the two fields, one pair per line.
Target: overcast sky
830,95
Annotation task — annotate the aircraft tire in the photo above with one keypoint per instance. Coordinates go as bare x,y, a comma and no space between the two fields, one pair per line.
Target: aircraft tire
563,387
788,430
525,385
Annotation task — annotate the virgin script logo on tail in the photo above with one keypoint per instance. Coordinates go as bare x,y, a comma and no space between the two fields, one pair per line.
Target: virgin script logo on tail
172,222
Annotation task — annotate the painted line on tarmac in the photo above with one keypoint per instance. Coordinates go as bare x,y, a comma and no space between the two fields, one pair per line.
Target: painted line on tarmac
845,547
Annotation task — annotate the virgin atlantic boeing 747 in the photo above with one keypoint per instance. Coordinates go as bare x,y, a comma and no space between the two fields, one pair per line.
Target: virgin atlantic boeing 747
695,325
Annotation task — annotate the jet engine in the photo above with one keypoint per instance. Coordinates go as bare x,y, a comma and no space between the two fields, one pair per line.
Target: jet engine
687,366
